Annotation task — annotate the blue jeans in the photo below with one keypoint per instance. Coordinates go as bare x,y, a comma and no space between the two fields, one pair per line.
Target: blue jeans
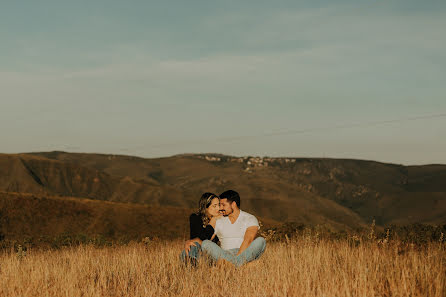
193,255
253,252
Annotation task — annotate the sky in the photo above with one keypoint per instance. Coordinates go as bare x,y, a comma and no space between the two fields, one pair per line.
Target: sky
339,79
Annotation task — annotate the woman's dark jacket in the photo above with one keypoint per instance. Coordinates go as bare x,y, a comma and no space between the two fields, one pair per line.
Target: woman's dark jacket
197,230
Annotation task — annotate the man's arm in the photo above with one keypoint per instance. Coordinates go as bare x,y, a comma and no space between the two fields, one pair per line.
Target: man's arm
250,235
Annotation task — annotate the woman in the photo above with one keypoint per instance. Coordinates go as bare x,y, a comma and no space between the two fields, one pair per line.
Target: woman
202,225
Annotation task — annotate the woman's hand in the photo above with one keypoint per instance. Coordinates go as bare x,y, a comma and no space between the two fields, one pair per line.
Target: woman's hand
190,243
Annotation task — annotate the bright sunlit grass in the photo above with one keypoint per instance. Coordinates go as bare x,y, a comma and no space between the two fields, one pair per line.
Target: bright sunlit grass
299,268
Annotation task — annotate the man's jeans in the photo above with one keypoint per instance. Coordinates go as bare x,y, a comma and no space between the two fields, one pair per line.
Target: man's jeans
253,252
193,255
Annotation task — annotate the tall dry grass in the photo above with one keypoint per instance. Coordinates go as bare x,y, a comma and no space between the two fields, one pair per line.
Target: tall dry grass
299,268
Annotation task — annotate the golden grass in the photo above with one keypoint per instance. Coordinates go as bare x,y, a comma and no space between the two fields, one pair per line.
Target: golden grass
300,268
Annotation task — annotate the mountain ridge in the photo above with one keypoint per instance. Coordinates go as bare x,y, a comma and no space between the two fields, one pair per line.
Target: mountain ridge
342,193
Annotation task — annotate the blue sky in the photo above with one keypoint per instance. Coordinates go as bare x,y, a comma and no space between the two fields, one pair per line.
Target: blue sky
157,78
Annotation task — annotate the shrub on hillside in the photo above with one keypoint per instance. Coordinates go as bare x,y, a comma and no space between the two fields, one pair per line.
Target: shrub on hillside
416,233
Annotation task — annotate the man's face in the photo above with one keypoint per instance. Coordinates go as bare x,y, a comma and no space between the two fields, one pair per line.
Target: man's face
226,207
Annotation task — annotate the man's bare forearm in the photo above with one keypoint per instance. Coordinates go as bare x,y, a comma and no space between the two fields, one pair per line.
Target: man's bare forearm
244,245
250,234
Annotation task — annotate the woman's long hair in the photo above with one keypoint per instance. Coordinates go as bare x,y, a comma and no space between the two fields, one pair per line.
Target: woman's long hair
205,202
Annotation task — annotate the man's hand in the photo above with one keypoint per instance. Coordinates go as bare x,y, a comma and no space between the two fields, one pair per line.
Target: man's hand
249,237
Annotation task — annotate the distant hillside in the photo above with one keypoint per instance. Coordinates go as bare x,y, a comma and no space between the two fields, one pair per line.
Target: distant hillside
336,192
37,174
31,215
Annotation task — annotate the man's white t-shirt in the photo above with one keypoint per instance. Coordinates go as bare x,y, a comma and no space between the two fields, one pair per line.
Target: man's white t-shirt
231,235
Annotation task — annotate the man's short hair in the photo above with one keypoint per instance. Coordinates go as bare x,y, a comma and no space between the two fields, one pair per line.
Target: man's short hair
231,196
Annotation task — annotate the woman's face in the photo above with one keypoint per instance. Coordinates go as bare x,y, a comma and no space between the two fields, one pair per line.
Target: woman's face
214,208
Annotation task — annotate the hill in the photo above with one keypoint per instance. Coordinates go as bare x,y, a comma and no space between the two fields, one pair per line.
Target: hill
31,215
340,193
36,216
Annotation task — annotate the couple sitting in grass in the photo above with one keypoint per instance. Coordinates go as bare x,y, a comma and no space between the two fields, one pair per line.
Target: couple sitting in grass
220,219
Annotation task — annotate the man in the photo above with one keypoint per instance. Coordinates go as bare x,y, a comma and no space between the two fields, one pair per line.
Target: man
237,232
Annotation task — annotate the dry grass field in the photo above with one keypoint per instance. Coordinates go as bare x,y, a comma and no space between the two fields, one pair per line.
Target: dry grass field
303,267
